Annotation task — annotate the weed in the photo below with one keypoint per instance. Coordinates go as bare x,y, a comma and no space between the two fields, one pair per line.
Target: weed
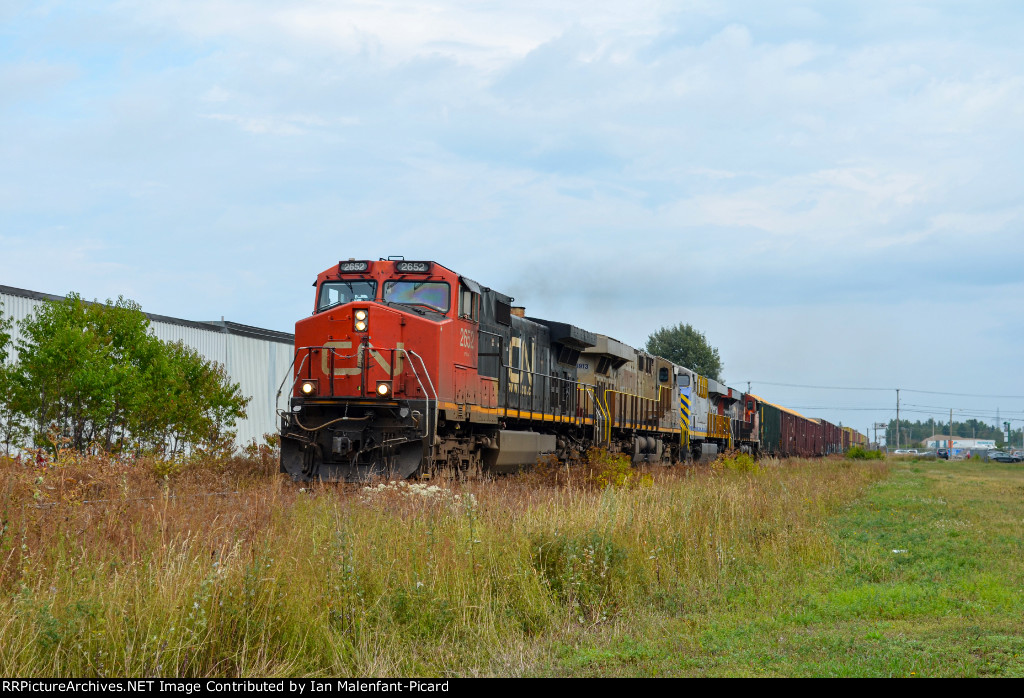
738,462
861,453
614,470
580,571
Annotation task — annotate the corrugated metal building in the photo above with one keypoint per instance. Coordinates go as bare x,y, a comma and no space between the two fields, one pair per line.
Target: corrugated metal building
255,358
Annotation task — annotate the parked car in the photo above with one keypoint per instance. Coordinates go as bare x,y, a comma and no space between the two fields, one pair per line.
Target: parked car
1003,457
942,453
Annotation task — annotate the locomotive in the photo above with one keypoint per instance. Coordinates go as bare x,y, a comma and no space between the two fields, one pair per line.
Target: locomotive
409,369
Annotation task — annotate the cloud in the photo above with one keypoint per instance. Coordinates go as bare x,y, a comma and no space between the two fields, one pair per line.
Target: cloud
27,82
286,125
485,34
754,168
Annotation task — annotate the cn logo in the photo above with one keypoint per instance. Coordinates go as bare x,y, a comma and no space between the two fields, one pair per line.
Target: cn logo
341,357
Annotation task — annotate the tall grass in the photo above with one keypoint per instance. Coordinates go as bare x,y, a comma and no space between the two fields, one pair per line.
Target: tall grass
232,571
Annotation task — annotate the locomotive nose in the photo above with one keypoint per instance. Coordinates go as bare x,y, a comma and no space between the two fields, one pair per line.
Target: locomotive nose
364,355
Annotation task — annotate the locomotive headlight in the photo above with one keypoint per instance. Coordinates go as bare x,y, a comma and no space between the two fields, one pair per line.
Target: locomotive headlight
308,387
383,388
362,320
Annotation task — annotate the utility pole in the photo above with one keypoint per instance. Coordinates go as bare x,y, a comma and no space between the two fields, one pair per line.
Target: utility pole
882,425
951,433
897,418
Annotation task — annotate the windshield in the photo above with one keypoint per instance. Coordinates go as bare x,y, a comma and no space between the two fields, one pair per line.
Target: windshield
431,294
335,292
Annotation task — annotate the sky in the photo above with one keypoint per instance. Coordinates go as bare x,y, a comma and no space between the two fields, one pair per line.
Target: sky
830,191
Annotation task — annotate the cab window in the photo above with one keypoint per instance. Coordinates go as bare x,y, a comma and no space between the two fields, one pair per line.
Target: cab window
432,295
337,292
469,304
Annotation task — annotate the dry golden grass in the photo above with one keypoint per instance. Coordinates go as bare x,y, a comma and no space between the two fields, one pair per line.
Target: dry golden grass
227,569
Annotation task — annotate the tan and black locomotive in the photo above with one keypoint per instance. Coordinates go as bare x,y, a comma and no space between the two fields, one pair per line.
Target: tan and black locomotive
406,368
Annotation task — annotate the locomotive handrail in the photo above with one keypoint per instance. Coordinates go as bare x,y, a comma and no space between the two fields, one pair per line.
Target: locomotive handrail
601,411
600,415
296,379
432,433
608,426
280,388
545,376
430,428
503,368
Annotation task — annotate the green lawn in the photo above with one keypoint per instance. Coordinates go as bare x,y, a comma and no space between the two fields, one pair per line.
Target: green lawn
928,581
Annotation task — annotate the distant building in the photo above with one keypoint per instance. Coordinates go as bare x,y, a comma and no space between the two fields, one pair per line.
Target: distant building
942,441
255,358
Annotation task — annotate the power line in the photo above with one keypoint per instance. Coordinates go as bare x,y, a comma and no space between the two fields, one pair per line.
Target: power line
850,409
906,390
818,387
934,392
962,410
963,413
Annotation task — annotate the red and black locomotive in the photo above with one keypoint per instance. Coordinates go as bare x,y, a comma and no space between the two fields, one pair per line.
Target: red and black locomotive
407,368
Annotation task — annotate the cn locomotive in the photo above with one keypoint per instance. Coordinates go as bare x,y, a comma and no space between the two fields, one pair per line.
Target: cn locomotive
407,368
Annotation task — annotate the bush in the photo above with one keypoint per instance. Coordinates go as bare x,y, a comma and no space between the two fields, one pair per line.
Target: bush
738,462
614,470
90,377
861,453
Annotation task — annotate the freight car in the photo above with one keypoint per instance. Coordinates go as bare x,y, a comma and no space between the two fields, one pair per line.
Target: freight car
407,368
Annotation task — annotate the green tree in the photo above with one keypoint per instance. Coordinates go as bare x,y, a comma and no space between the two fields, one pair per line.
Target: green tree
917,432
78,367
686,346
192,405
90,376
